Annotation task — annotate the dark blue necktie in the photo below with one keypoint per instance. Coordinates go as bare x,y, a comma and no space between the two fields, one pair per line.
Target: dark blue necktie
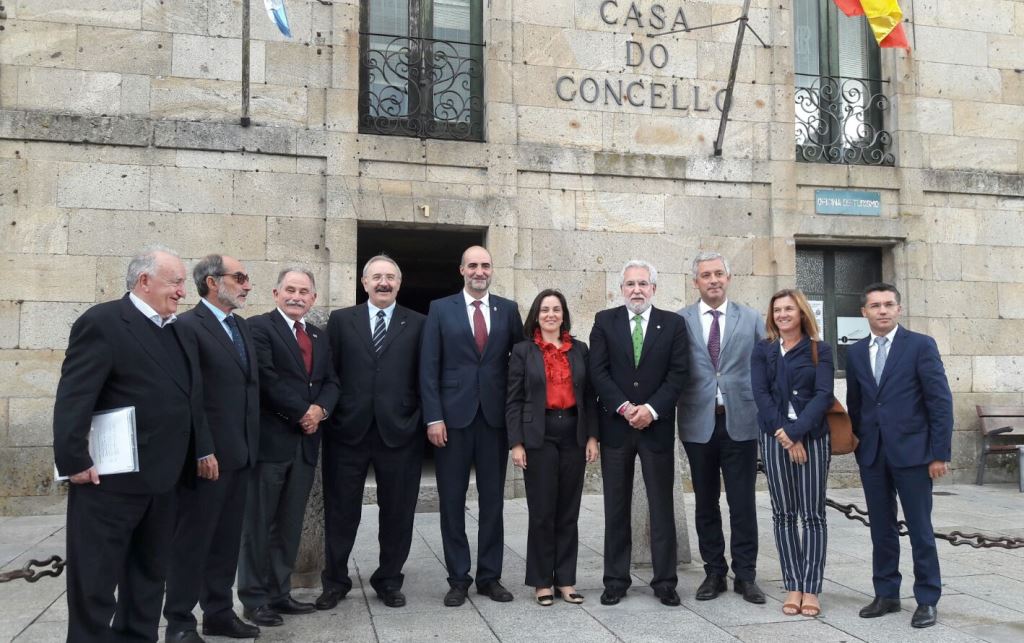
236,339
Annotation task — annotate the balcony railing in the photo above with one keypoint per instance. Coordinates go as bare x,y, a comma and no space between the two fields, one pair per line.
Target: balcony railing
841,120
420,87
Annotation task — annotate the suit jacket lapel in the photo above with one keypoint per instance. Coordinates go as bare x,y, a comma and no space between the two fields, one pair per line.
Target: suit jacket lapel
214,327
395,328
623,322
651,336
284,330
861,351
732,320
895,353
691,314
150,344
497,325
462,319
250,351
360,318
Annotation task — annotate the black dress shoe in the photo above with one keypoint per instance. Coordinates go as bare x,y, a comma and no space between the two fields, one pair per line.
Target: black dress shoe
455,597
263,616
924,616
611,597
329,599
712,586
751,592
392,597
230,626
185,636
880,607
289,605
668,597
496,592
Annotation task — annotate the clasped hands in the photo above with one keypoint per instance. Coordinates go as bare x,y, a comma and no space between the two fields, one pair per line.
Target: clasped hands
797,452
638,415
312,419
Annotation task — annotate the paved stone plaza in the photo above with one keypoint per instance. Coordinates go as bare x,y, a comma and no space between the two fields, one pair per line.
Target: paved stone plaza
983,589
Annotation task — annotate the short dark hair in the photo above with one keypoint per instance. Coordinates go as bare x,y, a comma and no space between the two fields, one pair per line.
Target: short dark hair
878,286
208,266
531,324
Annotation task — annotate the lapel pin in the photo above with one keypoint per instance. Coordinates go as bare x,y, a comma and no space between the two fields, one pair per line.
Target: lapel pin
403,322
658,326
494,308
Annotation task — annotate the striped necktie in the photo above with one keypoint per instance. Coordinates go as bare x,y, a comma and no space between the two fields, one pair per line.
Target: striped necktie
378,332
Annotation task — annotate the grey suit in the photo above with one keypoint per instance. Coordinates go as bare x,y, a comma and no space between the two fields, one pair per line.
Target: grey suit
722,443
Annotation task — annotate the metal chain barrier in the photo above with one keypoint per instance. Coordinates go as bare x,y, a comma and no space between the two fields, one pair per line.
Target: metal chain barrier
955,538
55,563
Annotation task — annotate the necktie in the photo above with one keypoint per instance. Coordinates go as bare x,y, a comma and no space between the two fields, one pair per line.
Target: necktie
305,346
236,339
638,338
479,327
715,338
378,332
880,355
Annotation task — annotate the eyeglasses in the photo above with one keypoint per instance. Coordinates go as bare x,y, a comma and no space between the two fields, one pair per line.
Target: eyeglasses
240,277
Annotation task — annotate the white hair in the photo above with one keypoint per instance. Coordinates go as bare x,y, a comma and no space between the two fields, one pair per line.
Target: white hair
709,256
145,263
639,263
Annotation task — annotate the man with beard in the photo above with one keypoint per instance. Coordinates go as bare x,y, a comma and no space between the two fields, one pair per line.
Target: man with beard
209,522
298,389
467,339
638,363
375,347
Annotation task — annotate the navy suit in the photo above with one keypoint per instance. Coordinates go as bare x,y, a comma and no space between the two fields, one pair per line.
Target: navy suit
904,423
466,389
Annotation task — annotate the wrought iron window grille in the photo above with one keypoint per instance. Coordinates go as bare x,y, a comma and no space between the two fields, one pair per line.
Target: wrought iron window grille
421,87
841,120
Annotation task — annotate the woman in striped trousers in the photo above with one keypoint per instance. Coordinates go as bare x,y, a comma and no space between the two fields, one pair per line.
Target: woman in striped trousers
792,378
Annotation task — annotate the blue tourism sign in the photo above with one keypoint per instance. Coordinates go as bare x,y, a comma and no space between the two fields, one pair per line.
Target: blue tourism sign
854,202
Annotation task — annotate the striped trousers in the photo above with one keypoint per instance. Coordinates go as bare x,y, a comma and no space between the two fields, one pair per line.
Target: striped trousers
798,490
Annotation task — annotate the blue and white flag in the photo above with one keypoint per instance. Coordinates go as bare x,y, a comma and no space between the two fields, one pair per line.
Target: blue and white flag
277,13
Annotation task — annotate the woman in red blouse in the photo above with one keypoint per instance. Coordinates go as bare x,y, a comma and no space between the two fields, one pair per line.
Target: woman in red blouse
552,434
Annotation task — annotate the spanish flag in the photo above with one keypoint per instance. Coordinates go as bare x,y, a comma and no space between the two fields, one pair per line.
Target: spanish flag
885,18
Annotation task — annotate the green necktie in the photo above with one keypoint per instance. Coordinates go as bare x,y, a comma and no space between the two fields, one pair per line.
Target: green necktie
638,338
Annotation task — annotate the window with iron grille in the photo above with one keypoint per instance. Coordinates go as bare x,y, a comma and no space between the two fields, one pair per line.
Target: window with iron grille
421,68
841,101
833,279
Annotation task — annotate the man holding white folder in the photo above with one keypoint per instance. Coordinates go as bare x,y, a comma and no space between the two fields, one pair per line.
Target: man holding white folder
128,353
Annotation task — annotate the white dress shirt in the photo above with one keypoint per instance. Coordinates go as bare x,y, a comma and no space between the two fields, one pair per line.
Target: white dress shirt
485,308
782,351
873,347
705,326
388,313
148,311
291,323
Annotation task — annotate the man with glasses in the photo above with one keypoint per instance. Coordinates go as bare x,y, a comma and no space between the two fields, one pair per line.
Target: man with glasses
208,528
638,363
128,353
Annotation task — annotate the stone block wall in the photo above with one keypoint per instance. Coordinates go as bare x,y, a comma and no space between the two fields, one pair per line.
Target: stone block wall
119,127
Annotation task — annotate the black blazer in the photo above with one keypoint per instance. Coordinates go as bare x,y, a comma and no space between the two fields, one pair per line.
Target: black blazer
779,380
527,395
657,380
286,390
231,388
113,360
455,379
376,387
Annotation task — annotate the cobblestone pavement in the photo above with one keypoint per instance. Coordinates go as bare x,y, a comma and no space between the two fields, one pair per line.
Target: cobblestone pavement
983,590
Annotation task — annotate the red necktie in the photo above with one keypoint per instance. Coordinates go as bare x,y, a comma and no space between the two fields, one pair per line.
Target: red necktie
305,346
479,327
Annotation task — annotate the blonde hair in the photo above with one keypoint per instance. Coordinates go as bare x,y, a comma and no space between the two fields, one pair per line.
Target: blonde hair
808,323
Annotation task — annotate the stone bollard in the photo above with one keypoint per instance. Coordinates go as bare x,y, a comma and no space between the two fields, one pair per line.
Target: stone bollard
641,517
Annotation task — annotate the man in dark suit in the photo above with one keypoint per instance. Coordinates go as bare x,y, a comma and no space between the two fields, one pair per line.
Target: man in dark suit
298,389
718,427
208,528
467,339
638,363
128,353
375,347
902,412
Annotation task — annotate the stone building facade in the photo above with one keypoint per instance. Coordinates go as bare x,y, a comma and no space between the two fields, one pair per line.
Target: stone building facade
592,135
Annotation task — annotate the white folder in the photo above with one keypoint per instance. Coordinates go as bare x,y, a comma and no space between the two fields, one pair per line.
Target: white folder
113,444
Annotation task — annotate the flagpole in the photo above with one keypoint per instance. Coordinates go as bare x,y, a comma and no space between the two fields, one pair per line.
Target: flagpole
245,64
727,104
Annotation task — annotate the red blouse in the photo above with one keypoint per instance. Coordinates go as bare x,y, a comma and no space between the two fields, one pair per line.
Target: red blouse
557,373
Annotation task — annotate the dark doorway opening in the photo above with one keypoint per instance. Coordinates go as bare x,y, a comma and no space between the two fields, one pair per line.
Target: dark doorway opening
428,256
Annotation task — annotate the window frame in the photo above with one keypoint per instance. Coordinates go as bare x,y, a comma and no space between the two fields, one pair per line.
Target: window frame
420,120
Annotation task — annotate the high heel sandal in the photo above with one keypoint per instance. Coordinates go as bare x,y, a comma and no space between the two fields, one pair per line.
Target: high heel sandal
790,608
809,610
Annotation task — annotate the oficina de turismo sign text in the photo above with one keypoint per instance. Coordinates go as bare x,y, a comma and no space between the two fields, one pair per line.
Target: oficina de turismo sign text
639,92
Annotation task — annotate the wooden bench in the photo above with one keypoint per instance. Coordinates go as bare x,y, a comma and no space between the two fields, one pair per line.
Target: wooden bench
1002,431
